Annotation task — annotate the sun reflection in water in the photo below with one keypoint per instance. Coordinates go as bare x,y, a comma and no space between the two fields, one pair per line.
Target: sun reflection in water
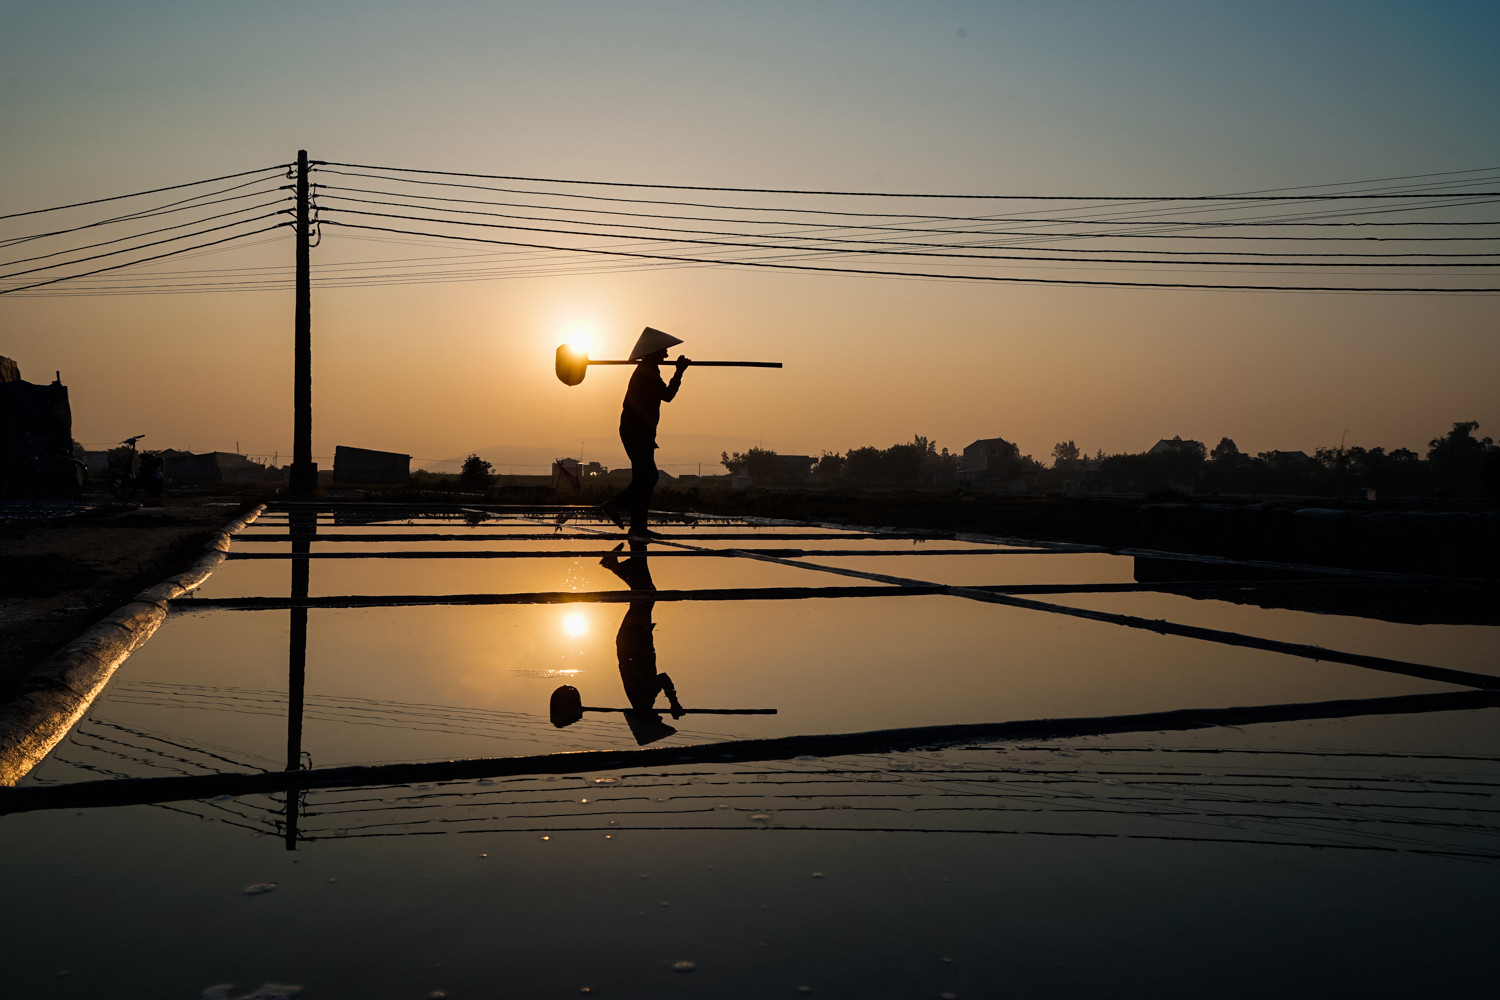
575,624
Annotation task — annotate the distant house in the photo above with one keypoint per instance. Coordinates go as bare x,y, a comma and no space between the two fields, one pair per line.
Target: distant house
570,474
210,467
990,455
794,468
995,464
1080,478
363,467
1178,446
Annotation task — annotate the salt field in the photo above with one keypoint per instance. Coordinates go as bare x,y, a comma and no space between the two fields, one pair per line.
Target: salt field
882,764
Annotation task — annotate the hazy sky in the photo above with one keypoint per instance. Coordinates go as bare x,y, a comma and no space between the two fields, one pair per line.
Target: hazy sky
1022,97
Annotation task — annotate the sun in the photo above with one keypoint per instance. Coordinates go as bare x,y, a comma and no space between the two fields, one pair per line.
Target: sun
581,339
575,624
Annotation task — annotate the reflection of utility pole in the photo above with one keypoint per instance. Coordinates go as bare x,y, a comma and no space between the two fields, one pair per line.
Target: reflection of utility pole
304,525
304,480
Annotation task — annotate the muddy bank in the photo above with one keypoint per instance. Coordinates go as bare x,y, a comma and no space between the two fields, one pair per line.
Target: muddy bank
60,575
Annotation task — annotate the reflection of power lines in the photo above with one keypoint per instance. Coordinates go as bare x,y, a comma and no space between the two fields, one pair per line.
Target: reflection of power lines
199,749
1440,804
1444,806
416,717
218,810
744,751
94,741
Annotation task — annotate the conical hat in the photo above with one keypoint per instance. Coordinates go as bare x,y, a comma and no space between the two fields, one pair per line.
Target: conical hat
651,341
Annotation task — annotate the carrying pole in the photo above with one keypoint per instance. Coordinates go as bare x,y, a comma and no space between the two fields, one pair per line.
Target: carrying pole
304,480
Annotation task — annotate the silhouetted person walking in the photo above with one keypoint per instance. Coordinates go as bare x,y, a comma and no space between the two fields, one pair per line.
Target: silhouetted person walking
638,419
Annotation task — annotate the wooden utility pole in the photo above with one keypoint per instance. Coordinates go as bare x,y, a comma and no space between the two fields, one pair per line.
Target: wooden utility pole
304,526
304,482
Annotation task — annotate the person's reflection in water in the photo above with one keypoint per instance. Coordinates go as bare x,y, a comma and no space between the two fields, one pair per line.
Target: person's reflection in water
635,646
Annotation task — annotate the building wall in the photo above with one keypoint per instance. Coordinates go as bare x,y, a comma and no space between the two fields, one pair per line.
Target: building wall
36,434
361,466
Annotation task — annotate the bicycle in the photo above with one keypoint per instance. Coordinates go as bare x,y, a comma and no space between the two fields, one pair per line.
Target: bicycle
141,472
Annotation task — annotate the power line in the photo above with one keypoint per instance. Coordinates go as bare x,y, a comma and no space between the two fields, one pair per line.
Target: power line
881,242
918,274
882,194
1122,216
138,194
135,236
132,263
147,246
1128,216
532,267
338,189
878,215
185,205
1381,180
818,237
883,252
526,267
1300,219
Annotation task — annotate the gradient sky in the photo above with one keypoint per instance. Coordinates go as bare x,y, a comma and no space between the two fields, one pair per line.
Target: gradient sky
1099,98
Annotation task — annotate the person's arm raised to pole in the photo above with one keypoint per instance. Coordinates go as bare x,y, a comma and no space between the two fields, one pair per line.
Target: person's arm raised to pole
676,383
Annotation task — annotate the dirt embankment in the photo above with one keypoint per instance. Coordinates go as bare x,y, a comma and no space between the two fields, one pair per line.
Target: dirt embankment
60,575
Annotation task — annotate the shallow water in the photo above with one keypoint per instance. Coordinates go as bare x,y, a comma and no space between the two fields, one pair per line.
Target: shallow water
1333,855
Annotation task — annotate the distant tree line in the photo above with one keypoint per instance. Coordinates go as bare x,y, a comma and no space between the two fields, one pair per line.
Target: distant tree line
1456,464
909,464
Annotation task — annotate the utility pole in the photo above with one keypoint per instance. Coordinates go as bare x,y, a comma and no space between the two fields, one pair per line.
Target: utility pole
304,471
